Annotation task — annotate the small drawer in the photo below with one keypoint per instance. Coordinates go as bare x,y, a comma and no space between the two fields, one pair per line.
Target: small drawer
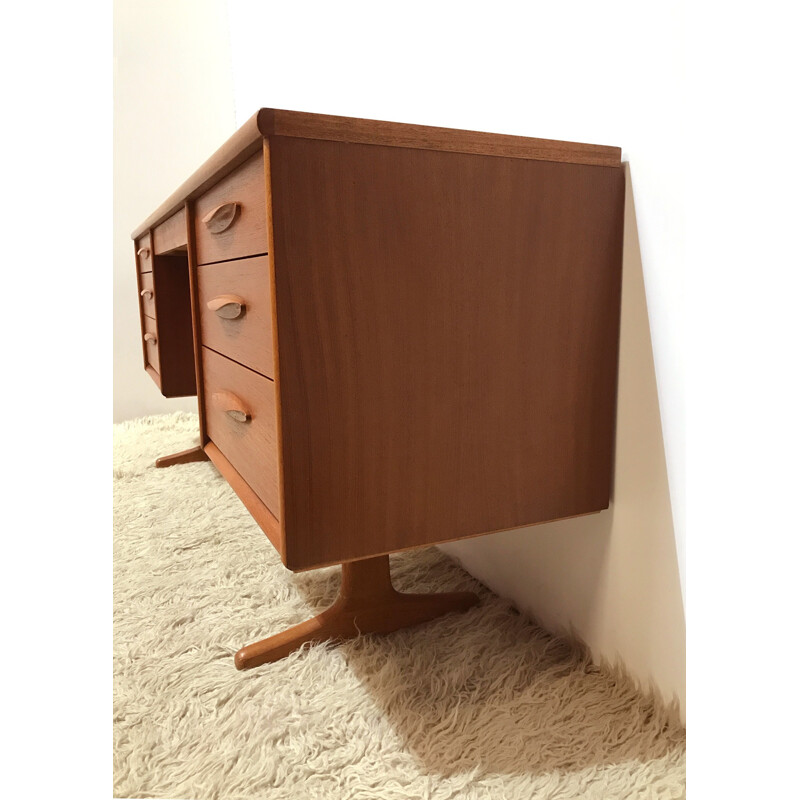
241,420
236,311
151,344
144,254
230,220
147,295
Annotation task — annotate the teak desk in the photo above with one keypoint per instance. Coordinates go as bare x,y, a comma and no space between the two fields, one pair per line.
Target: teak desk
398,335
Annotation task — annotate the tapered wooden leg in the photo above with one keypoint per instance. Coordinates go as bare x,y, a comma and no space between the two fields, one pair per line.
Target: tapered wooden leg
184,457
367,603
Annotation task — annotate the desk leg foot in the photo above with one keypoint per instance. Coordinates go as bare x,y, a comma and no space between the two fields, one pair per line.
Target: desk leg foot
367,603
184,457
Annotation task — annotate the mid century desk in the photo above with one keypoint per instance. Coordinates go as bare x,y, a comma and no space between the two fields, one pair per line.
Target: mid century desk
398,335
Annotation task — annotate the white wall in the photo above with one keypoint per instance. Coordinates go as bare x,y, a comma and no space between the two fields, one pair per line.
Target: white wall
608,73
173,106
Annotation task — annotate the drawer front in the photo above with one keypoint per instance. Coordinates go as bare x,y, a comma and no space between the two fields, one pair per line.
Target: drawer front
231,218
232,391
151,344
147,295
144,254
236,311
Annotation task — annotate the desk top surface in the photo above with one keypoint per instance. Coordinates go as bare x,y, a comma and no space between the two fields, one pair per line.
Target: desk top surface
270,122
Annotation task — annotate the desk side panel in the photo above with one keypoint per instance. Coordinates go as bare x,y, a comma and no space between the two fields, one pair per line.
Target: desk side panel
447,329
174,322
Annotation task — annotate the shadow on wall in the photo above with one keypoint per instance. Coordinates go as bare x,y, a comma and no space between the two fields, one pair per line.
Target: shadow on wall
611,578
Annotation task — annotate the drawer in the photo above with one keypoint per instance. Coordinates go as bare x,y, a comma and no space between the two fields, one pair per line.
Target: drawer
147,295
230,220
144,253
236,311
241,420
151,344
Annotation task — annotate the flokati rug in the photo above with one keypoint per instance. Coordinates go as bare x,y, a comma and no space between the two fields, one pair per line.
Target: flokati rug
477,705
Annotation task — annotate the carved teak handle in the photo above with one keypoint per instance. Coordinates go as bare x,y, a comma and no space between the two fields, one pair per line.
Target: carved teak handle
143,252
227,306
147,294
150,337
232,405
222,217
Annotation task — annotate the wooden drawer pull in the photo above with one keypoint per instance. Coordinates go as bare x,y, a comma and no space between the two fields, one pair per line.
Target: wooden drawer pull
232,405
143,252
227,306
222,217
147,294
150,337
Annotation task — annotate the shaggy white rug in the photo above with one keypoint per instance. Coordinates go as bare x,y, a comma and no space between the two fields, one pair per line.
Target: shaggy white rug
476,705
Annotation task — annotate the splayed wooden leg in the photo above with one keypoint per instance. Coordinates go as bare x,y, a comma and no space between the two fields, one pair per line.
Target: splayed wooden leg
184,457
367,603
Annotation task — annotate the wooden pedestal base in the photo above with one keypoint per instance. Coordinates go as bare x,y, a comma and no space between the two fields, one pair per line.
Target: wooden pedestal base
367,603
184,457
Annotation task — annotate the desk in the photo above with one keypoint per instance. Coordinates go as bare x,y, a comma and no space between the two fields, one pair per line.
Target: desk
398,335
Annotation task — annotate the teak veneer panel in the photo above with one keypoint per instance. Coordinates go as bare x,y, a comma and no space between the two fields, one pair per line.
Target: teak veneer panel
297,124
247,236
447,330
251,446
248,338
268,122
144,254
151,350
147,296
171,234
174,321
252,502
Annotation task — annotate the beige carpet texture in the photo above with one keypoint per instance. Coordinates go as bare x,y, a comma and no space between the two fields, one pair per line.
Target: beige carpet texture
483,704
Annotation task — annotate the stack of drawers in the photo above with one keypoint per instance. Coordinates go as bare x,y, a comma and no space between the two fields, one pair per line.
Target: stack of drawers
165,308
236,327
147,306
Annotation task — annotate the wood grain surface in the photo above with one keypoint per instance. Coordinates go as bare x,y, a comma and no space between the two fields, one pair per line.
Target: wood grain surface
247,338
252,502
267,122
183,457
276,363
276,122
171,234
144,253
367,603
194,310
150,339
447,339
247,236
250,447
174,323
139,287
147,296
